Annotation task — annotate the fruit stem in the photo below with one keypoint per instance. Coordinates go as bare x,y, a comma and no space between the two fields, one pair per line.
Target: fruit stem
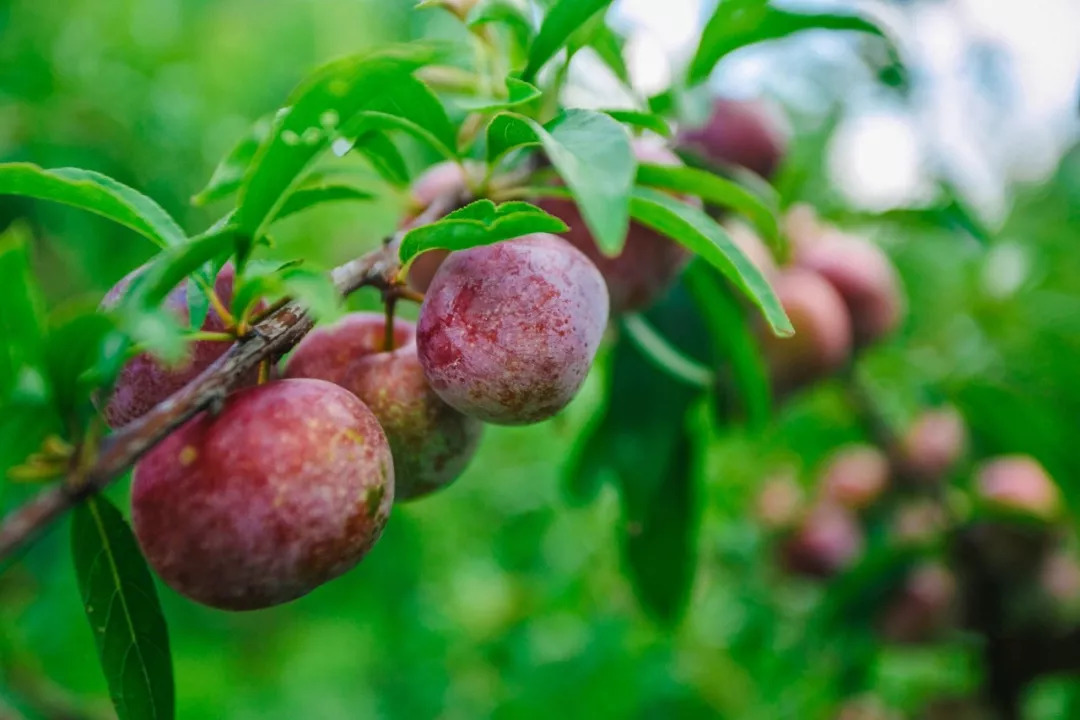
219,307
264,371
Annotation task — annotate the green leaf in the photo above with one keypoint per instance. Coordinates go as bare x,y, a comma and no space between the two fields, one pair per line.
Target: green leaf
663,355
22,322
122,606
269,282
308,197
592,153
330,99
509,15
518,92
738,23
650,455
479,223
84,351
229,173
697,231
384,157
140,313
609,46
642,121
559,23
93,192
734,341
715,190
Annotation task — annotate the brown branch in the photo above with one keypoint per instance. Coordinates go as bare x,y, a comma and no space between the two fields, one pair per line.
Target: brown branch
270,339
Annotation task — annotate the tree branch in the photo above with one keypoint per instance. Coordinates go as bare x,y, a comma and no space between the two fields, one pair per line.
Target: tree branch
271,338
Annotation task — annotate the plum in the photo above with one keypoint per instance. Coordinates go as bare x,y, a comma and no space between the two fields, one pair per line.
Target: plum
855,476
932,445
431,442
1019,484
822,340
778,501
924,607
864,277
507,332
286,488
145,381
744,133
649,262
827,541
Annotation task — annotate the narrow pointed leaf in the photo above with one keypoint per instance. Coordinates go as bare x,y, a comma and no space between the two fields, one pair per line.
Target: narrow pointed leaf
309,197
715,190
559,23
698,232
738,23
122,606
93,192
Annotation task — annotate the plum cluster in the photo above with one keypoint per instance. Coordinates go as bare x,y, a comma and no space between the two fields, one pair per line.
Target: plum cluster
291,481
1008,515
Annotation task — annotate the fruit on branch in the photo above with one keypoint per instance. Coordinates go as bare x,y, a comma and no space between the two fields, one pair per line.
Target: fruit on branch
932,445
507,332
822,341
827,541
778,501
855,476
864,277
144,380
286,488
743,133
431,442
1019,484
649,261
924,607
440,180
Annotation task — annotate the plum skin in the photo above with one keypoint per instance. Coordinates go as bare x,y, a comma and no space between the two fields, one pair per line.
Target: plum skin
932,445
744,133
855,476
823,338
145,381
507,332
649,261
431,442
286,488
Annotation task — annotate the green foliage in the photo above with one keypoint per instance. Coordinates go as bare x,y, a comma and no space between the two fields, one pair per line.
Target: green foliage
125,617
479,223
561,20
698,232
591,153
739,23
95,193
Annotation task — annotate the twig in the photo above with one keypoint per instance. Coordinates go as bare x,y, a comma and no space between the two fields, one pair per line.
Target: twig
270,339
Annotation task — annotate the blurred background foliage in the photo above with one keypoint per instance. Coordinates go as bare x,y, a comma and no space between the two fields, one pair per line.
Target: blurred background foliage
499,598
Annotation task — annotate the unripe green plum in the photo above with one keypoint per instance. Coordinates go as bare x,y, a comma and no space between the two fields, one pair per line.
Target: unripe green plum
743,133
827,541
855,476
144,380
822,341
924,607
933,444
864,277
287,487
431,442
649,262
507,332
1019,484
